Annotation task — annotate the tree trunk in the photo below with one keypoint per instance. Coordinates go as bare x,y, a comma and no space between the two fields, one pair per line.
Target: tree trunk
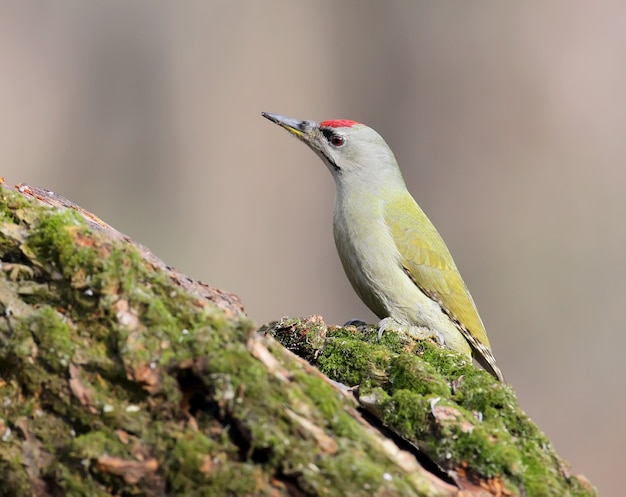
121,376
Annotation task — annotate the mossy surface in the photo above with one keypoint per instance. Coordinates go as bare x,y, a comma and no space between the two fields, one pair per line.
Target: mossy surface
114,381
463,419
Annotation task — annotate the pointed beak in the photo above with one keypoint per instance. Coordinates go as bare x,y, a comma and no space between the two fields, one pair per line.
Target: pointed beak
299,128
310,133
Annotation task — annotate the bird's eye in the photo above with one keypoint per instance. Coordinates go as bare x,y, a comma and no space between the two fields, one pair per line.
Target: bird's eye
337,140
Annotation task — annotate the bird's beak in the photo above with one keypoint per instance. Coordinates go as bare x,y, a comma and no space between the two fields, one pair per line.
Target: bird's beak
299,128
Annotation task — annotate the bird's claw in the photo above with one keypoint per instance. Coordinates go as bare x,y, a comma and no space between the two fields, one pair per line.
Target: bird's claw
355,322
418,332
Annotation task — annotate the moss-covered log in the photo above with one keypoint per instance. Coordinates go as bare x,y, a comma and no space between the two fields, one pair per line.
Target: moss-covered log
120,376
456,416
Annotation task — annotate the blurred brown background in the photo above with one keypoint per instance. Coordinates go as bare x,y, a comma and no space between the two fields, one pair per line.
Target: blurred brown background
507,119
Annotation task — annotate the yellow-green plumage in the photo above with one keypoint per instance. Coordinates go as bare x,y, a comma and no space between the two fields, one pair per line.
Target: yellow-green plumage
428,262
427,259
392,254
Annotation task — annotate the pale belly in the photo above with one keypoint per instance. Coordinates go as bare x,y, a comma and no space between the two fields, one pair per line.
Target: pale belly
372,264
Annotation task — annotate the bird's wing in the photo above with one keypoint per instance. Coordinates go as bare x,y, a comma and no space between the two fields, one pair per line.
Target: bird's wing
427,261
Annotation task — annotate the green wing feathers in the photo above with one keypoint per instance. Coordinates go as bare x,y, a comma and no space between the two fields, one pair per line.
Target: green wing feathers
429,263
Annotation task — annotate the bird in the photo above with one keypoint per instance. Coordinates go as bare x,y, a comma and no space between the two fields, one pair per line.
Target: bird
392,254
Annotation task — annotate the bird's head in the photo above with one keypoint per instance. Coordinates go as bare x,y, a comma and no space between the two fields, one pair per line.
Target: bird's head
348,148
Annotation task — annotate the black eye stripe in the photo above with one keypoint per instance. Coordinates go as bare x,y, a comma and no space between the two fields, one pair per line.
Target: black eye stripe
328,133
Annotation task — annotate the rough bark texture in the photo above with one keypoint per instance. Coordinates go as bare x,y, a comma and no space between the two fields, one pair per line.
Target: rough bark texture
120,376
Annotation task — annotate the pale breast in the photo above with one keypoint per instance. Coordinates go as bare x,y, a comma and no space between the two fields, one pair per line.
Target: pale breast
368,254
373,265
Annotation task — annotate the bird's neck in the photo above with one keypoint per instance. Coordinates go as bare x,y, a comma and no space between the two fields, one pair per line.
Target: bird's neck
360,186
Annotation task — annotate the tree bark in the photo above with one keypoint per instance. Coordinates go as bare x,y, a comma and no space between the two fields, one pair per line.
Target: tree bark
121,376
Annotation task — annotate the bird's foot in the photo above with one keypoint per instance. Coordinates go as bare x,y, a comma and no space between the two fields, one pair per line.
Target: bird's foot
418,332
357,323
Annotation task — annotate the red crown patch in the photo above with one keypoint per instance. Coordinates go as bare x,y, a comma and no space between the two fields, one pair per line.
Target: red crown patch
338,123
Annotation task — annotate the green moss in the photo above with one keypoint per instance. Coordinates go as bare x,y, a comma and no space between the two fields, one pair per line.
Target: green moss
405,411
353,362
66,482
327,401
161,327
104,355
409,372
305,346
457,414
200,467
349,475
15,480
14,208
52,336
96,443
54,238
